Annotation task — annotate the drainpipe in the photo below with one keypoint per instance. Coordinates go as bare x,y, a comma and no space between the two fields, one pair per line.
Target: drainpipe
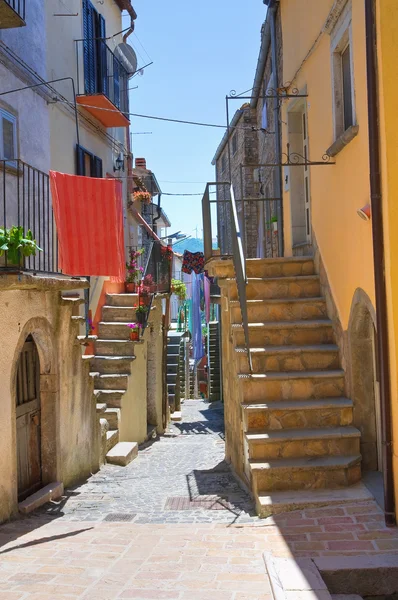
159,213
273,7
382,358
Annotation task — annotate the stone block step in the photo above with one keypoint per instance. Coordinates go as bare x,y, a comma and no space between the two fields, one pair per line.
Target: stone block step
172,369
281,502
172,378
288,414
112,415
112,438
172,359
114,331
286,333
294,385
290,358
52,491
118,314
128,300
111,398
112,364
114,347
307,473
303,286
113,382
276,309
101,408
122,453
298,443
271,267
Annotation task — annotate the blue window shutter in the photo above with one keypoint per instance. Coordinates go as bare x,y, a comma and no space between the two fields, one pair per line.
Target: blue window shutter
116,82
89,48
96,167
79,160
102,56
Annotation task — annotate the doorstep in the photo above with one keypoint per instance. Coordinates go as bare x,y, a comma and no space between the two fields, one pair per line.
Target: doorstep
52,491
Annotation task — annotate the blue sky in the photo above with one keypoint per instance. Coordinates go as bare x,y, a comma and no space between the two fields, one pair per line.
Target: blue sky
201,50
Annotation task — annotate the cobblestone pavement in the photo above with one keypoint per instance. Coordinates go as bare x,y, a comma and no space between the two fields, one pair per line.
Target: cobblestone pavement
169,548
168,479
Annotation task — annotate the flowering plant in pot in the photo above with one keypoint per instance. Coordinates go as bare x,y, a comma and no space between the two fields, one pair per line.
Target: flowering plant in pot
167,252
133,271
134,331
140,314
148,286
140,196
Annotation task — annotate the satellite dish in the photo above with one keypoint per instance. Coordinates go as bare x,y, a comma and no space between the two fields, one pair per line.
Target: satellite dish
127,57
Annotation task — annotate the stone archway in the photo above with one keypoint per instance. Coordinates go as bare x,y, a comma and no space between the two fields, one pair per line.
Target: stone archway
364,380
41,332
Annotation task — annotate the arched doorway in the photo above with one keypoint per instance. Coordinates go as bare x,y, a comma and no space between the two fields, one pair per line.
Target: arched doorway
28,419
365,380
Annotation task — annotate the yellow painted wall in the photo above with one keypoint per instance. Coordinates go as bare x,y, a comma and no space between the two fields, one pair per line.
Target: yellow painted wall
337,191
387,19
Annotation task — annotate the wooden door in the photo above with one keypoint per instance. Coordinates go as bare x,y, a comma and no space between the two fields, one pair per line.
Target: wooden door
28,420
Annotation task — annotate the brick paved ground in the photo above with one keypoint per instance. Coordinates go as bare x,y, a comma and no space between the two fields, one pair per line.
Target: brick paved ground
170,548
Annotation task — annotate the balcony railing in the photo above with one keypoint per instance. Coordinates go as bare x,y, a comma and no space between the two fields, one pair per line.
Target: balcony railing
25,202
102,83
158,268
12,13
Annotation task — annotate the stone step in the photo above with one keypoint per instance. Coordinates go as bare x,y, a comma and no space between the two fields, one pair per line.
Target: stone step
101,408
172,369
281,502
114,331
112,364
325,412
276,309
307,473
286,333
273,267
111,398
122,300
110,382
298,443
122,453
114,347
112,438
300,385
112,415
290,358
118,314
303,286
172,378
172,359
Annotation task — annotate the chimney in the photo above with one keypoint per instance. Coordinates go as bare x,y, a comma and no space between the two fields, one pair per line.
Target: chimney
140,163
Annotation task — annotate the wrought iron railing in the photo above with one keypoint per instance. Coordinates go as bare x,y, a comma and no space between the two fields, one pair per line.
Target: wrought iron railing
235,243
25,202
158,268
99,71
18,6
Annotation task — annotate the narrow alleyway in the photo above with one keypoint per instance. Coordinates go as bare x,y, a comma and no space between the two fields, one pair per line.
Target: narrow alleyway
174,524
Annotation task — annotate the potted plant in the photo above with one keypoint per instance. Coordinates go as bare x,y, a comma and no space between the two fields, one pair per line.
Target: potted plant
179,289
140,314
141,196
133,271
274,221
148,286
134,331
15,245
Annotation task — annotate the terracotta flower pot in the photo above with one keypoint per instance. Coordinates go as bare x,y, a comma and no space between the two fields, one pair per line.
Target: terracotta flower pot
135,335
130,288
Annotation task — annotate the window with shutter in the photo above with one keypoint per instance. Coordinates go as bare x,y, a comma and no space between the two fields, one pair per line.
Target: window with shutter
87,164
102,55
116,82
89,47
8,136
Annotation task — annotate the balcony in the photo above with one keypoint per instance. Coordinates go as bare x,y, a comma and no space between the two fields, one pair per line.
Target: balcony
102,83
25,202
12,13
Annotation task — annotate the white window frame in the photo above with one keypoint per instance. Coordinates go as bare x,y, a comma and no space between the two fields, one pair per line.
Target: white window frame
341,37
4,114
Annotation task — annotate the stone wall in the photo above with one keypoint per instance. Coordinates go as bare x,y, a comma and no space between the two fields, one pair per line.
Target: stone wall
69,425
155,360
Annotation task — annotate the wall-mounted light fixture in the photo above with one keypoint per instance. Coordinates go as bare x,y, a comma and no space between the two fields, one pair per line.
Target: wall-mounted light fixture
365,212
119,163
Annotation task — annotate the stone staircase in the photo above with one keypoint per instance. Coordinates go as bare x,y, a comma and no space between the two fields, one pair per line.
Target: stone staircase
214,361
173,370
296,419
111,368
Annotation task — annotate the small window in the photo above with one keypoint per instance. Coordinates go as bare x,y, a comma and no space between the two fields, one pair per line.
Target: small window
347,86
234,143
88,164
8,136
342,74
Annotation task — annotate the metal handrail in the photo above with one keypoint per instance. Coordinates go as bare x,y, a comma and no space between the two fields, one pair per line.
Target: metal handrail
18,6
238,255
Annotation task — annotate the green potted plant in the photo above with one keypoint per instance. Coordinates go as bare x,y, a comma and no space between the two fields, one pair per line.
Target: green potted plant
179,289
15,245
133,271
274,221
140,314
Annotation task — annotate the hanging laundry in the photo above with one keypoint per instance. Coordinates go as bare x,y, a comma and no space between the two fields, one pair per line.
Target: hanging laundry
197,343
207,298
193,261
